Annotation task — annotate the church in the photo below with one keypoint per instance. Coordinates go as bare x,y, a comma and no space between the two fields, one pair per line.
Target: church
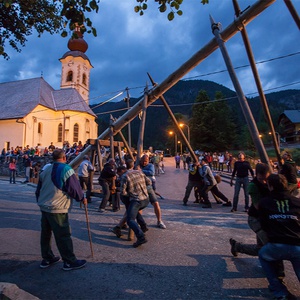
33,113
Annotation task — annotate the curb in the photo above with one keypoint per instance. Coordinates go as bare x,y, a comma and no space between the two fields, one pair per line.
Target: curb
11,291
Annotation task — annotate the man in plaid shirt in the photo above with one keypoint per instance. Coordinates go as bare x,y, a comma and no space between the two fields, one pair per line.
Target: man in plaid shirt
134,186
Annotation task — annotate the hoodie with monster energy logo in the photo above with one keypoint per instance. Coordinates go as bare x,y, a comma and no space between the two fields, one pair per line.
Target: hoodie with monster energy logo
280,218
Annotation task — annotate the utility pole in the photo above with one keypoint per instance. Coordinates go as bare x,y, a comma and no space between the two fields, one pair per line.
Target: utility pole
240,94
127,100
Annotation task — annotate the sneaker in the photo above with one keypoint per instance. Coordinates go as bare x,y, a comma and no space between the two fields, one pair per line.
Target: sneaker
227,204
101,210
208,205
117,231
161,197
233,251
139,242
196,201
219,202
233,210
75,265
47,263
184,203
161,225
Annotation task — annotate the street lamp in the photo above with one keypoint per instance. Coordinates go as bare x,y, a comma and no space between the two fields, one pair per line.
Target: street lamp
179,142
175,145
188,131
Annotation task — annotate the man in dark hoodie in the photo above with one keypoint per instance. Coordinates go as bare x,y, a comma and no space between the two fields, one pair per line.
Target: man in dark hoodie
280,219
106,180
289,170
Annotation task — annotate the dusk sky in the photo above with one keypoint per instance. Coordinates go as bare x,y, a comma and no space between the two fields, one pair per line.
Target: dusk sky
128,46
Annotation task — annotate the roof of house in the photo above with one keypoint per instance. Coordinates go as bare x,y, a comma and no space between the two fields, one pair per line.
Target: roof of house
292,115
19,98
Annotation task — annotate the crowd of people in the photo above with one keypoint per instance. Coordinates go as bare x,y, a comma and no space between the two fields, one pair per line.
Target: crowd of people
18,152
273,214
216,160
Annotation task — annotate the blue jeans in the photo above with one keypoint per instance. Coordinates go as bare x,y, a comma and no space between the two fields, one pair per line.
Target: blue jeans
134,218
271,253
12,176
241,181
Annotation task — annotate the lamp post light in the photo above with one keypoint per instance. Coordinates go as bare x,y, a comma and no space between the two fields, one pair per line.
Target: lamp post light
188,131
175,145
179,142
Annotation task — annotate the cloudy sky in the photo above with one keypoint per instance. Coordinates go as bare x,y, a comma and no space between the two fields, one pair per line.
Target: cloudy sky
128,46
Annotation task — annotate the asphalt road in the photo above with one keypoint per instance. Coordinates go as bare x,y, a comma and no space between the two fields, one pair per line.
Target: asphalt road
190,259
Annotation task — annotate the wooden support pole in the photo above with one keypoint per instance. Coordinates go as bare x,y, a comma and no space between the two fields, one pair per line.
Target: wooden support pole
240,94
167,107
99,157
293,12
140,144
126,145
262,97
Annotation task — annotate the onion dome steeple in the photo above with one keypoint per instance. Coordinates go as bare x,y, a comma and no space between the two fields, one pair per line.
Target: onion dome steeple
76,66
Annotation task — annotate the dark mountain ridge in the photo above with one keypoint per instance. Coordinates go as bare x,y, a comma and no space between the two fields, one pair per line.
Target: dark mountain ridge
181,98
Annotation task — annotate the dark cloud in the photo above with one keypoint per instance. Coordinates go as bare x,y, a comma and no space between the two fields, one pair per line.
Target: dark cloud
128,46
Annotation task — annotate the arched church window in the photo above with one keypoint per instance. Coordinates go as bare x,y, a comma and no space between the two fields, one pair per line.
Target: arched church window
70,76
84,79
40,127
59,132
87,126
75,133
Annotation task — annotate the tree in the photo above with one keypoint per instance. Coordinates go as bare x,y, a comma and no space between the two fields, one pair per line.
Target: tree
19,18
212,124
173,5
195,123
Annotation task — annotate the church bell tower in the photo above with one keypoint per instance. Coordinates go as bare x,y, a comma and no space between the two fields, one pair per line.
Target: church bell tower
76,66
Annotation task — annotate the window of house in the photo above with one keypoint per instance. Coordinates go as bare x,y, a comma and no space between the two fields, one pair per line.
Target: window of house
75,133
60,131
40,127
70,76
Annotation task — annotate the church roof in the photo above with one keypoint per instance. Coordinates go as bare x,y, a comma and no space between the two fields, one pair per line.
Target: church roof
19,98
